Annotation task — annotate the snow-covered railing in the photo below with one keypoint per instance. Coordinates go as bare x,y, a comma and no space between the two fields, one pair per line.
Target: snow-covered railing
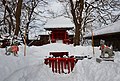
61,65
60,62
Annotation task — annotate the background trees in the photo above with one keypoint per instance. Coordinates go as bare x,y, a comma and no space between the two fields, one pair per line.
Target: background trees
90,14
19,16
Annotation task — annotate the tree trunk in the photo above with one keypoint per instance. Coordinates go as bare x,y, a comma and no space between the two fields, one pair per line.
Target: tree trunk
17,16
77,35
76,10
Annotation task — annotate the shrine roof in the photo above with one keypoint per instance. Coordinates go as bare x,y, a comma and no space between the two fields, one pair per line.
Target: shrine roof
59,23
109,29
59,28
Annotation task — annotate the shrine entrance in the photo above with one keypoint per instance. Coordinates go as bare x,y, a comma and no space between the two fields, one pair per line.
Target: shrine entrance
59,35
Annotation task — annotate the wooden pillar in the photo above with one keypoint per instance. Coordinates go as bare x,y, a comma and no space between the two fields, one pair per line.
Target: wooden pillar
68,66
72,63
65,35
62,69
52,36
53,66
65,63
56,64
59,65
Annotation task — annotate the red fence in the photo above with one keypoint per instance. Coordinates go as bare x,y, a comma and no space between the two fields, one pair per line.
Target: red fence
61,65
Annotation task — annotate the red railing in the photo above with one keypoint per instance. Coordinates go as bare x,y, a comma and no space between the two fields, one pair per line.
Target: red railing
60,65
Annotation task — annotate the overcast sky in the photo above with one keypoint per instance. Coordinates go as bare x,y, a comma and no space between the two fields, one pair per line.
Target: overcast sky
55,6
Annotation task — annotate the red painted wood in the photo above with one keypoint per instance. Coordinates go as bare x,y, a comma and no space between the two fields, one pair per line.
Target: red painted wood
58,65
59,35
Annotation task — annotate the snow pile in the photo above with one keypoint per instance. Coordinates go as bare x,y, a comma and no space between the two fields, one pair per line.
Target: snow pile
32,67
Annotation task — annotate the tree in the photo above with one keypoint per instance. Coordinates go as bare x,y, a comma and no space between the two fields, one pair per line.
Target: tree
28,12
76,11
90,13
32,12
17,16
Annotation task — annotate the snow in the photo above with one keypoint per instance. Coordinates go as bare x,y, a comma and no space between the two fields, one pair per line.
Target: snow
59,22
111,28
35,37
32,68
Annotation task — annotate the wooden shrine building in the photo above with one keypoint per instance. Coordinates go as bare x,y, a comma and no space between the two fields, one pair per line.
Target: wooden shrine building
55,35
57,30
110,34
60,34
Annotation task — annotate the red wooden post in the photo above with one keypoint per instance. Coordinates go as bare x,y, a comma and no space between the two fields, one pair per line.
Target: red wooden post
52,36
62,65
53,67
56,59
65,36
65,63
59,62
68,66
72,63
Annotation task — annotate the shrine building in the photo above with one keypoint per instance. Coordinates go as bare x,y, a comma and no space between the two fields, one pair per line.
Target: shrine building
110,34
58,30
60,35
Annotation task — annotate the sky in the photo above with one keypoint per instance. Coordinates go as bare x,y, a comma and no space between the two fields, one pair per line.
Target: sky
55,6
32,68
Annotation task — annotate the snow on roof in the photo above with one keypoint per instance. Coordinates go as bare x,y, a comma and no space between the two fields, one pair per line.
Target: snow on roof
44,33
59,22
34,36
112,28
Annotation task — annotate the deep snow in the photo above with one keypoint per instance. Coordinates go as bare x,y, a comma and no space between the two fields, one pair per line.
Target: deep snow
32,67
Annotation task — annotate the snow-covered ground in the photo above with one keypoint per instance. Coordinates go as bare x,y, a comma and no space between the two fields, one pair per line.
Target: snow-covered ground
32,68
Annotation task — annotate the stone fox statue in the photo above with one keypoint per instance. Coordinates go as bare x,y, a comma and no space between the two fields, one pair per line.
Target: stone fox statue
13,49
106,50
